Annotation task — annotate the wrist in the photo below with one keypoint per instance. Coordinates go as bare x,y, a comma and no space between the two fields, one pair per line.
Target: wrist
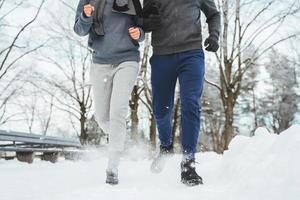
214,37
85,18
142,35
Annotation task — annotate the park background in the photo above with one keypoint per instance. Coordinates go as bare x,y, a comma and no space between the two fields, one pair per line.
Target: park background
251,82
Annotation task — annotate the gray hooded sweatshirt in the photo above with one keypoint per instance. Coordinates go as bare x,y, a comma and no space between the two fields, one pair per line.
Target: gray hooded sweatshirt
115,45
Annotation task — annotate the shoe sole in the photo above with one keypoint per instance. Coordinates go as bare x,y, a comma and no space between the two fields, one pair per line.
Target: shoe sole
112,183
192,183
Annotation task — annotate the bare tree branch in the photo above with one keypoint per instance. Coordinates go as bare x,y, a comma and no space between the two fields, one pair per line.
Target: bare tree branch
3,62
213,84
9,11
19,58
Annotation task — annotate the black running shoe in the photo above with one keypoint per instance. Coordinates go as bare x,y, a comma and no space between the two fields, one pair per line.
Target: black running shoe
159,162
112,178
189,175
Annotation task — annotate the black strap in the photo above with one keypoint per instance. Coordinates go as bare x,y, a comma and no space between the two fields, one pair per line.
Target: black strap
138,7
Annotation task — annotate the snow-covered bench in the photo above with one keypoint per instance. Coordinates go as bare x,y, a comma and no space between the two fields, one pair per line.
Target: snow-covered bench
27,145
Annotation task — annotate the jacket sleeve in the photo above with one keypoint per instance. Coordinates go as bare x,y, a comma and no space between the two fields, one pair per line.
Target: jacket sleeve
142,36
213,19
83,23
139,23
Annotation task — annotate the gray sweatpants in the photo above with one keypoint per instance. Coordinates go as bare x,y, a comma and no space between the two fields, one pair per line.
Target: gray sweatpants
112,86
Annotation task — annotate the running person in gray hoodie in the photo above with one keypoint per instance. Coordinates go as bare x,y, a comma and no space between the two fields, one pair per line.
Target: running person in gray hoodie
114,32
178,54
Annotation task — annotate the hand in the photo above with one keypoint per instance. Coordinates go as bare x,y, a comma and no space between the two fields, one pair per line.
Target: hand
88,10
134,33
211,44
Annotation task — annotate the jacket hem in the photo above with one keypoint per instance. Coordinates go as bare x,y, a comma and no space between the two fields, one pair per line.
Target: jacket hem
177,49
115,60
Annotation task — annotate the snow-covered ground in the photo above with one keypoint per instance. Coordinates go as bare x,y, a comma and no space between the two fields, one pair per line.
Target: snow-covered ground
265,167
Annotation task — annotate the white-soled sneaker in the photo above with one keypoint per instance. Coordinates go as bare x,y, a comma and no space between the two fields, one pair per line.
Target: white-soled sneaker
160,160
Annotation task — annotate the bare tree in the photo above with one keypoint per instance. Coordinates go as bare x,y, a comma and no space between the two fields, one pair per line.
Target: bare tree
257,27
280,103
73,91
6,52
29,108
10,54
212,117
46,117
145,93
70,89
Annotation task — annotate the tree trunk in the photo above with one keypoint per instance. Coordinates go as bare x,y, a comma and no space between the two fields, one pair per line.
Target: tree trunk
254,109
153,132
228,129
83,131
176,120
134,113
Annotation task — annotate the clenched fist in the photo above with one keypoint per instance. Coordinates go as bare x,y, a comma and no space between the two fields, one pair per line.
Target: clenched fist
88,10
134,33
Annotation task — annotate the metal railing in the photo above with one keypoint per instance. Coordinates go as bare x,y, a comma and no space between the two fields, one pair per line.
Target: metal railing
25,145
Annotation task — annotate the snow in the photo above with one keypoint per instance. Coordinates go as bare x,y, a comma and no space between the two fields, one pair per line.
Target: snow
264,167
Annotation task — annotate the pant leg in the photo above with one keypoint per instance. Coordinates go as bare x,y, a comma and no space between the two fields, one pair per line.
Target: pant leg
123,82
191,78
163,81
101,80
